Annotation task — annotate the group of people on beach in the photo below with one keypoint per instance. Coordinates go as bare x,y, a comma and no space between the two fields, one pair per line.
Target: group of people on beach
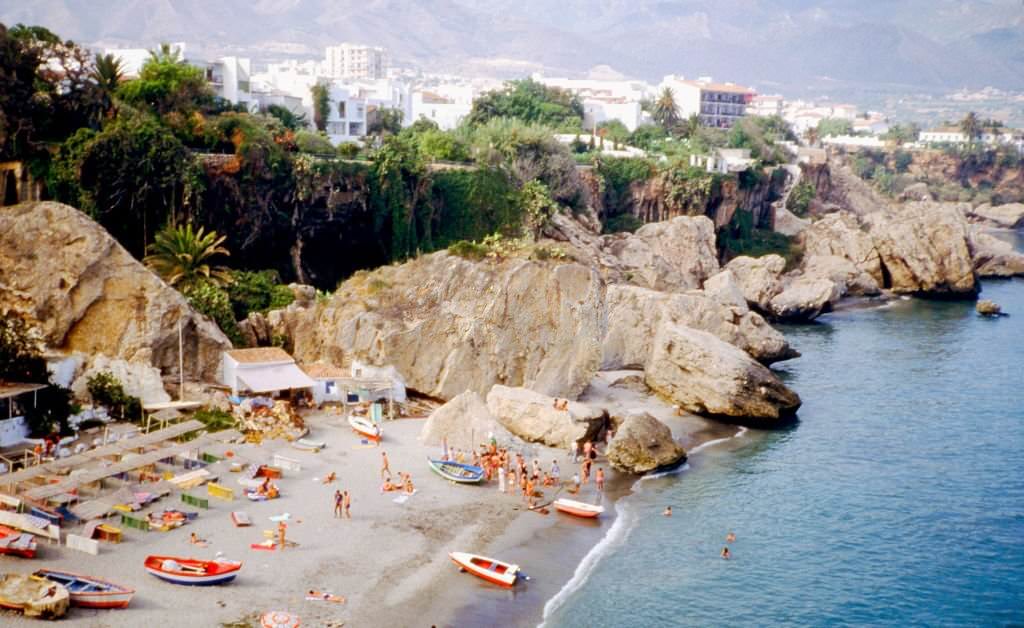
342,504
404,483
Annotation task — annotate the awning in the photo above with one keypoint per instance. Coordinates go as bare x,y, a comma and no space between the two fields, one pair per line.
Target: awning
260,379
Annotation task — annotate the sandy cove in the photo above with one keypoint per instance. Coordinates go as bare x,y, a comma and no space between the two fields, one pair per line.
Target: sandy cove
390,560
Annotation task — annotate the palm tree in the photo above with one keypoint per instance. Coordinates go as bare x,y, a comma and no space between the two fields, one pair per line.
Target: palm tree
970,126
811,135
181,256
692,125
665,112
166,54
107,72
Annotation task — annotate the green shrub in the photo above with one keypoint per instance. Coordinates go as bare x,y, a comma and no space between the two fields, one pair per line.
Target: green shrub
215,420
212,301
256,291
107,391
622,222
348,150
309,142
800,198
739,237
468,250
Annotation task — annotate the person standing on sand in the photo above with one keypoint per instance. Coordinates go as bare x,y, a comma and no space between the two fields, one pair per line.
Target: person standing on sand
600,479
347,503
555,471
585,470
574,450
501,479
668,511
337,504
575,483
385,467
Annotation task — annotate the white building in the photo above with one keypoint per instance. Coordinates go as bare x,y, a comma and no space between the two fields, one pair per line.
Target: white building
717,104
992,136
132,59
446,106
383,93
724,160
347,61
853,141
604,100
262,370
766,105
346,119
230,78
15,399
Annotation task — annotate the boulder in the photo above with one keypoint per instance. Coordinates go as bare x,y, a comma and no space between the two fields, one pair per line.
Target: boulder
533,417
788,223
635,315
722,287
703,374
994,257
138,379
448,324
916,192
465,422
843,235
678,254
1009,216
304,296
759,278
88,294
924,250
256,330
642,444
986,307
844,273
805,298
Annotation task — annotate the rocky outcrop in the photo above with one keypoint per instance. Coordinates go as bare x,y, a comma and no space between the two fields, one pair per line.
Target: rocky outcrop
89,295
924,250
759,278
788,223
464,422
138,380
708,376
636,314
450,325
805,298
1009,216
533,417
994,257
842,235
642,444
986,307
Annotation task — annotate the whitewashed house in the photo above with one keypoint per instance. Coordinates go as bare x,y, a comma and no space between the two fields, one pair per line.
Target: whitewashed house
15,400
262,371
329,382
718,105
346,117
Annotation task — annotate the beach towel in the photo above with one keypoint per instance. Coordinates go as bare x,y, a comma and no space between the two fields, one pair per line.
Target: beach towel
279,518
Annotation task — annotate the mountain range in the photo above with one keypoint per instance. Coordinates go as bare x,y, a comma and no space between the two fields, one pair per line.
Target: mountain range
930,44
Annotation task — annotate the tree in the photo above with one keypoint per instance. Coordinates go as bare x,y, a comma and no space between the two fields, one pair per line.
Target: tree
309,142
529,101
21,349
691,126
181,256
970,126
166,84
614,130
321,105
384,121
834,127
287,117
665,111
108,72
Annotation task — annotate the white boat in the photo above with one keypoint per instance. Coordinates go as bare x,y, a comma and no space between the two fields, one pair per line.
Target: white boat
489,569
366,427
578,509
305,444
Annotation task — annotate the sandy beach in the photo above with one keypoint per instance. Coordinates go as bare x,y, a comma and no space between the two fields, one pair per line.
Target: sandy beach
389,560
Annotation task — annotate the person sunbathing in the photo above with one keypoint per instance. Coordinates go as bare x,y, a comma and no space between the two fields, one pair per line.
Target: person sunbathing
409,488
387,487
195,540
548,481
332,476
327,597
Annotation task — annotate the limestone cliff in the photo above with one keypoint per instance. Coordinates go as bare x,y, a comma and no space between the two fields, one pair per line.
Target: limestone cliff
90,295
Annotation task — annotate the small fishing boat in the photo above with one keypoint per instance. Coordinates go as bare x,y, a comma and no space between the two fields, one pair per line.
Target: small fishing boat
490,569
577,509
366,427
33,596
192,571
90,592
17,543
305,444
240,519
456,471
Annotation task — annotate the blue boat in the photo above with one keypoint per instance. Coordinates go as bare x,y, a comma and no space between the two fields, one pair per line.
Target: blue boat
456,471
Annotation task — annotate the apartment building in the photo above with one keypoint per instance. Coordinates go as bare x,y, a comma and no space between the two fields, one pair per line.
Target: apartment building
604,100
716,104
346,118
354,61
446,106
766,105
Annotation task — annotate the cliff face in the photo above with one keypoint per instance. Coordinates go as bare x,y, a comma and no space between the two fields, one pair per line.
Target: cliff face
89,294
1003,177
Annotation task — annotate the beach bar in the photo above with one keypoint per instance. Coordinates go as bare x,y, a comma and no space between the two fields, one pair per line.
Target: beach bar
262,371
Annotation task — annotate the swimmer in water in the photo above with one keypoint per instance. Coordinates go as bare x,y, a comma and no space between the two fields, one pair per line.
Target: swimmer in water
668,511
725,553
730,538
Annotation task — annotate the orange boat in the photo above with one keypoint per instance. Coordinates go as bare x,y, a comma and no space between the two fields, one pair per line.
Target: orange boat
489,569
17,543
366,427
577,509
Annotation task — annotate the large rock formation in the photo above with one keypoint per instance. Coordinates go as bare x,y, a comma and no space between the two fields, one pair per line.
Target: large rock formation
534,417
636,314
994,257
642,444
842,235
924,250
759,278
88,294
1009,216
138,380
707,376
805,298
450,325
848,278
464,422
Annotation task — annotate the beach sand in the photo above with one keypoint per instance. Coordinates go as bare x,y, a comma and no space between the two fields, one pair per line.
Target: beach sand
390,560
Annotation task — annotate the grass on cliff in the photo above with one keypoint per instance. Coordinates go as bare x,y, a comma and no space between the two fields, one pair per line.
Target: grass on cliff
740,238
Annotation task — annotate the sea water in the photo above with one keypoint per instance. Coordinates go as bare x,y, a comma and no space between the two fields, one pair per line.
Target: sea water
897,499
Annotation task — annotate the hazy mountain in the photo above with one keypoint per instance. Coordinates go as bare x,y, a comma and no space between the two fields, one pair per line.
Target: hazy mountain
928,43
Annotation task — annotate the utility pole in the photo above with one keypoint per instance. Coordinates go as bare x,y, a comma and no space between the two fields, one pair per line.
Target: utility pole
181,364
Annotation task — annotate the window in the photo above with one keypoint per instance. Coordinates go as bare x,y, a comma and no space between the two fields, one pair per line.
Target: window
341,109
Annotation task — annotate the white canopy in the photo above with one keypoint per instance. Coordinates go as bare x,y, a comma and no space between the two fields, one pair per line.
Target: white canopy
271,377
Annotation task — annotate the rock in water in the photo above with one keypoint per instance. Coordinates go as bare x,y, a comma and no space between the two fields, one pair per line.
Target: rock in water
994,257
534,418
465,422
90,295
986,307
805,299
642,444
1009,216
708,376
924,250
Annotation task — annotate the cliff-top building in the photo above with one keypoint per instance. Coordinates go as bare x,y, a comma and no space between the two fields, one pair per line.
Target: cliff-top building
716,104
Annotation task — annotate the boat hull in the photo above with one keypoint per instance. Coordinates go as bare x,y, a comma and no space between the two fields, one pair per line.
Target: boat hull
473,475
193,581
115,595
504,579
366,428
192,572
577,509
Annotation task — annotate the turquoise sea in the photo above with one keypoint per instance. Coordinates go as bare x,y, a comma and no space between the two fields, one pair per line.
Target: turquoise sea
896,500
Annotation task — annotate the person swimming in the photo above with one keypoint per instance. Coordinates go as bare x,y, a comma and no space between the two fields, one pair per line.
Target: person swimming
730,538
725,553
668,511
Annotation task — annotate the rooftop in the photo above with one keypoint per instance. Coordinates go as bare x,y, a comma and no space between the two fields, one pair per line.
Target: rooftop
320,370
13,389
257,355
720,87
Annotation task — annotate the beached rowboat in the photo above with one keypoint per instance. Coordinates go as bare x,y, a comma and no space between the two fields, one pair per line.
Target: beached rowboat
456,471
17,543
366,427
34,596
90,592
578,509
304,444
490,569
240,519
192,571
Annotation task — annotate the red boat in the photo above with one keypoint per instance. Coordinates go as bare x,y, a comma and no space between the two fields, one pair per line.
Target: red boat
192,571
90,592
578,509
17,543
366,427
489,569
